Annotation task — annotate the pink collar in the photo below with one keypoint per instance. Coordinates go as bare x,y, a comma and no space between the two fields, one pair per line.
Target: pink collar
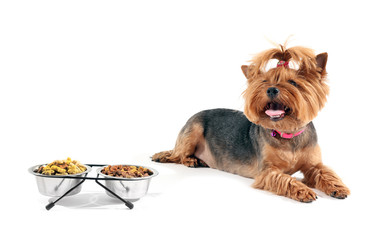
287,135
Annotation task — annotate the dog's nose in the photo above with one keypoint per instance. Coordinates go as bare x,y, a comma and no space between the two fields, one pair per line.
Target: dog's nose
272,92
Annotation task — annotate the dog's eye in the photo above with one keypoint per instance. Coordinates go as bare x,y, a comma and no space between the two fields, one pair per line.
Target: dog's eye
264,81
292,82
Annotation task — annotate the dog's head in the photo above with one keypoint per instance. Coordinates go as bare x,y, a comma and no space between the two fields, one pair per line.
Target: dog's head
289,95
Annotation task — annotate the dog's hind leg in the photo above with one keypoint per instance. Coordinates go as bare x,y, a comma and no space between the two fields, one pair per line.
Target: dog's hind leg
186,143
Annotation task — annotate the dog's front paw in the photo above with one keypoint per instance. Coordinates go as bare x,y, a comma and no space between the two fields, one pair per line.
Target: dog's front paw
305,195
326,180
284,185
340,192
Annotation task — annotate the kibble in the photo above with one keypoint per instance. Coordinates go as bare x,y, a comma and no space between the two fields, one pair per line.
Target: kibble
126,171
62,167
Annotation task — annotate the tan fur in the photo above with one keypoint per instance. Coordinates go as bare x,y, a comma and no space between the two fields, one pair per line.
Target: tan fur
282,162
326,180
185,148
274,180
305,101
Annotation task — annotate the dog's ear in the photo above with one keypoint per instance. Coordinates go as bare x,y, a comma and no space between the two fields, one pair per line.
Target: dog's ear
245,70
321,60
250,72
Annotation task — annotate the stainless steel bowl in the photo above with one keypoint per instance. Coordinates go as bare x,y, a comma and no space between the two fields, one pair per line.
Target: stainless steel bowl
56,186
128,188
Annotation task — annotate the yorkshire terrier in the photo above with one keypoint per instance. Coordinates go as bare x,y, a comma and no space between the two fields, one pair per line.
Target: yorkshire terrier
274,137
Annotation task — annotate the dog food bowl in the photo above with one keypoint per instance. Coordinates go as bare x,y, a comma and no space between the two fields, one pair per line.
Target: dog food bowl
56,185
129,188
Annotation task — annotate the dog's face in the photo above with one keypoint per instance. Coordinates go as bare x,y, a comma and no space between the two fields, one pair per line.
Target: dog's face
283,98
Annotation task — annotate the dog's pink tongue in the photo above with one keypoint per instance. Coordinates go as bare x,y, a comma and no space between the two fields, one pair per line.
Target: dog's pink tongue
274,113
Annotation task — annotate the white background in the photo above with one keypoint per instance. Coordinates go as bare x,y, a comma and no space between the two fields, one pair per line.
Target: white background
114,81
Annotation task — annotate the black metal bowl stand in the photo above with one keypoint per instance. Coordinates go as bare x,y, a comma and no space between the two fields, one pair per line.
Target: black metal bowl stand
52,204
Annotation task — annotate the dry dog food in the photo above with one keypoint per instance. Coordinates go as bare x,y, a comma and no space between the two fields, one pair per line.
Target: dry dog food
126,171
62,167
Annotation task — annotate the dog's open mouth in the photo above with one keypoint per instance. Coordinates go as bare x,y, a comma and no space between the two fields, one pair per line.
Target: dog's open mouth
276,111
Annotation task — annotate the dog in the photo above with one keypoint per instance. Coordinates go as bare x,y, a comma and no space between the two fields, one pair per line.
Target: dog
274,137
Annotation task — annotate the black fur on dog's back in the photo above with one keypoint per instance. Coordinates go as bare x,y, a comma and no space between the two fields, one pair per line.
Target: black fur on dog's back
229,134
235,142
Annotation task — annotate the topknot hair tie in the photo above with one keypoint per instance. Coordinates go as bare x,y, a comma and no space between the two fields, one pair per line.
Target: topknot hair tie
282,64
